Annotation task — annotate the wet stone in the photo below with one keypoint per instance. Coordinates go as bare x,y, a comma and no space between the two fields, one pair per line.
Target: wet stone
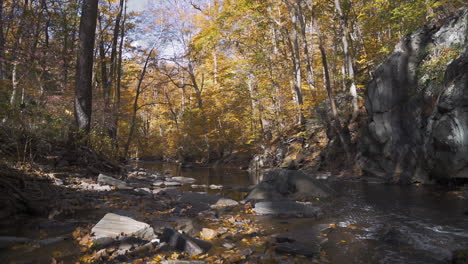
286,208
225,202
185,243
107,180
172,183
183,180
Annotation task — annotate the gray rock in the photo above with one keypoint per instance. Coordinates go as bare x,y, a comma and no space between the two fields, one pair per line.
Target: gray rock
189,226
113,225
7,241
184,243
228,245
183,180
172,183
225,202
417,106
215,187
264,191
281,184
208,233
107,180
158,183
287,208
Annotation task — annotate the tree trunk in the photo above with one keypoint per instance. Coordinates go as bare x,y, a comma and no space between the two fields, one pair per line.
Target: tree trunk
84,72
103,64
116,108
15,56
293,43
113,57
2,44
308,51
348,61
336,124
135,103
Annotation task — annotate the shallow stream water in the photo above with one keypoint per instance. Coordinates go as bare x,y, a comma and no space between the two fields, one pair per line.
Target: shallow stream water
372,223
364,223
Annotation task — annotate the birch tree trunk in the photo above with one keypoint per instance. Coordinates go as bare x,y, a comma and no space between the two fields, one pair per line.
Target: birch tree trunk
348,60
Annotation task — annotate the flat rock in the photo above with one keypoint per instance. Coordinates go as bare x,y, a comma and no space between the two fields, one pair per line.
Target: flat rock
172,183
225,202
113,225
107,180
287,208
208,233
158,183
184,180
184,243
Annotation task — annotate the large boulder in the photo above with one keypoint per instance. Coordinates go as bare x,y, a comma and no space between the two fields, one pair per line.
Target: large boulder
282,184
417,105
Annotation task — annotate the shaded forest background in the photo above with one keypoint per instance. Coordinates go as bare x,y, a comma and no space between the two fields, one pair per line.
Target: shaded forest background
195,80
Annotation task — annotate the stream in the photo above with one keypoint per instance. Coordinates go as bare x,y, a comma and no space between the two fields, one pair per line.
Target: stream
364,223
373,223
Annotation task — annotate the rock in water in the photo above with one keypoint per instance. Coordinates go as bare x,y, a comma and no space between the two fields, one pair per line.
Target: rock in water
417,106
225,202
287,208
298,185
183,180
113,225
185,243
107,180
172,183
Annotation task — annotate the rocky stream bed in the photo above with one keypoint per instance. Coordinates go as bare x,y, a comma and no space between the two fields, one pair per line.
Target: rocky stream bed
289,217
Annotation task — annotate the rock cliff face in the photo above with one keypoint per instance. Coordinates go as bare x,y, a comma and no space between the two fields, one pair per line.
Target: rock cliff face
417,106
